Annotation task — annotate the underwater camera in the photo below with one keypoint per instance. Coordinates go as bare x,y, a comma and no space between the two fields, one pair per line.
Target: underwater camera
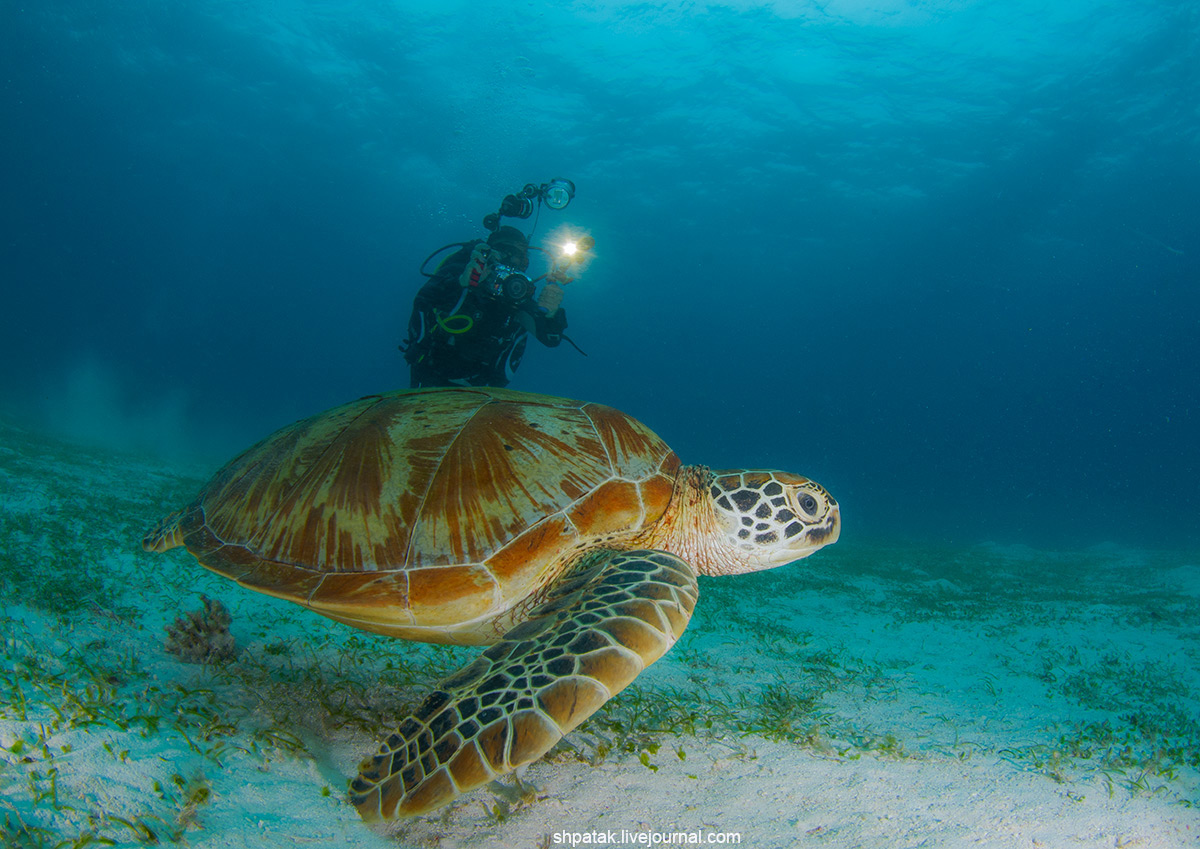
508,283
556,194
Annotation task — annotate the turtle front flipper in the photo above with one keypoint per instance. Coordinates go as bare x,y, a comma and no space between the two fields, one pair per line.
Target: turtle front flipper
596,631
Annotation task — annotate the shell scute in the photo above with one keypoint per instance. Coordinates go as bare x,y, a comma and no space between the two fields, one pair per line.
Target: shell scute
610,508
631,445
518,473
656,492
518,563
446,595
363,598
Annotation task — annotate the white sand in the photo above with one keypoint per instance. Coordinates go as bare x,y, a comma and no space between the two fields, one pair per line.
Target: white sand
957,697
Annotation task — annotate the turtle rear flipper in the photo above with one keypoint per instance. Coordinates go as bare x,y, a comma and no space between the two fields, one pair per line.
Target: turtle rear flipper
166,534
597,630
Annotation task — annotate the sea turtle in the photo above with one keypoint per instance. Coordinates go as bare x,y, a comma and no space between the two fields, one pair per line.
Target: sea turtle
565,535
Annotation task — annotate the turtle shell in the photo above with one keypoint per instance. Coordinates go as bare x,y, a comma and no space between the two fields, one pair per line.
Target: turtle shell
429,514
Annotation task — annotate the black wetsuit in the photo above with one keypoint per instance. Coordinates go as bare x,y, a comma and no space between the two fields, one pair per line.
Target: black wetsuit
492,342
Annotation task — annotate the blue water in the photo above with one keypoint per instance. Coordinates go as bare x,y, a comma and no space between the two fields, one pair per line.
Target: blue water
941,256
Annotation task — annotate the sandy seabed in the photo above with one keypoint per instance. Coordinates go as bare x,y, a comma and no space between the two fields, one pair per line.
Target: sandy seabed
919,696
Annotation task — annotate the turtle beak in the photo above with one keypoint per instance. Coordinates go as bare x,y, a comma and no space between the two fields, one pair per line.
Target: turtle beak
819,536
828,533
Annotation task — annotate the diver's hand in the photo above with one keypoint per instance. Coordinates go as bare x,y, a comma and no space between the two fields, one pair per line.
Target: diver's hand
559,275
476,265
550,298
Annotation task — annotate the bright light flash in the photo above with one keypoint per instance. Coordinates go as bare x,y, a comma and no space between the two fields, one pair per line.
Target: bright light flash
569,249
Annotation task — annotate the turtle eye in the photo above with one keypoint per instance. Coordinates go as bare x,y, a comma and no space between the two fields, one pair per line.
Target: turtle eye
808,504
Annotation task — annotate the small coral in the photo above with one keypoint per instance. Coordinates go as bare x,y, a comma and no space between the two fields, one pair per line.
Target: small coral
202,636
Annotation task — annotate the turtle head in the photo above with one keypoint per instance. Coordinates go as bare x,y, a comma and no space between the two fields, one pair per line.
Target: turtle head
767,518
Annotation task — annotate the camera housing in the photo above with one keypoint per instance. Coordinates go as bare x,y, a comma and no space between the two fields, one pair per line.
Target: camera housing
508,283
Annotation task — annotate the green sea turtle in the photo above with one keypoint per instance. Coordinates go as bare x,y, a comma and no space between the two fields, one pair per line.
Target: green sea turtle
565,535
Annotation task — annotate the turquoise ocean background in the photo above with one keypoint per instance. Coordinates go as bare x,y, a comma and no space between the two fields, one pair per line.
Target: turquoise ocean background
941,256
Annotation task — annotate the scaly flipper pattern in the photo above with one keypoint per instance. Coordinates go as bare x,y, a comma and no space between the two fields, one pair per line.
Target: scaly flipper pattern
601,626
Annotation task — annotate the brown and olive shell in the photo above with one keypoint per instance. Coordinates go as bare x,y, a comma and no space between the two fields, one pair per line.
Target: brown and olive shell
428,514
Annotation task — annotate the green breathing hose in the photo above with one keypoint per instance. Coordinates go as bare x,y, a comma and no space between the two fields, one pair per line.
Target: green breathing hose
464,324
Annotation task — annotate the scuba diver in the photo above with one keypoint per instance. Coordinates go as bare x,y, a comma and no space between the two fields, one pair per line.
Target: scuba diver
470,323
